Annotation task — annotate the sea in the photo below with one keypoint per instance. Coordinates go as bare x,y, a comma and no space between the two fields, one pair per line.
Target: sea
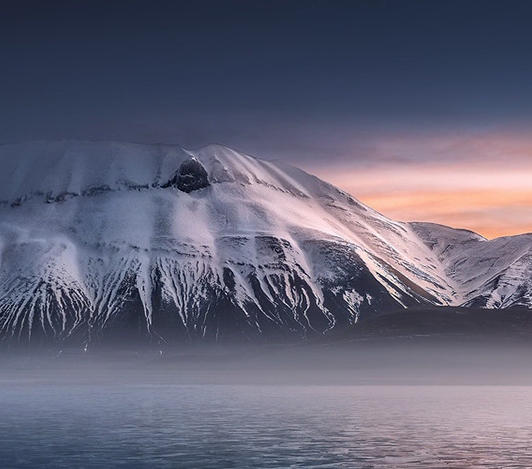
145,425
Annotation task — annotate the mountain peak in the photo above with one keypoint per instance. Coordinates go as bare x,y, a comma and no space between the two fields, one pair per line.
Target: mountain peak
99,239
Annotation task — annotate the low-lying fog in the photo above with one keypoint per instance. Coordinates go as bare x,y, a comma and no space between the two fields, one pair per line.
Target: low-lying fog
383,404
418,361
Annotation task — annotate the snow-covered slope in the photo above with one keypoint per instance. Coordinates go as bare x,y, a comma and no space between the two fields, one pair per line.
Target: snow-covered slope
491,274
102,240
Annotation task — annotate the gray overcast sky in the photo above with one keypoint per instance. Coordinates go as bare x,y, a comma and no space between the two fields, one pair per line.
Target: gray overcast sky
314,81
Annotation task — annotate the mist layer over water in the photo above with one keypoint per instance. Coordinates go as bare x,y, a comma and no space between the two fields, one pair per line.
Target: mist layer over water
382,405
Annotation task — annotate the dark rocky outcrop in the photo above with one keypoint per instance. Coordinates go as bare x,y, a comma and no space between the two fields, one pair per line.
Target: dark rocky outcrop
191,176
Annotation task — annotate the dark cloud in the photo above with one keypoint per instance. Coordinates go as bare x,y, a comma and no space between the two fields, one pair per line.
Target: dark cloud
299,79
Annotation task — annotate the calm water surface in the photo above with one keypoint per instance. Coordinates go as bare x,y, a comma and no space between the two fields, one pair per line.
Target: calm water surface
244,426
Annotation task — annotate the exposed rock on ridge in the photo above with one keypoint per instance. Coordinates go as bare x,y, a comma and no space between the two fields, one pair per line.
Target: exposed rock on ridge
191,176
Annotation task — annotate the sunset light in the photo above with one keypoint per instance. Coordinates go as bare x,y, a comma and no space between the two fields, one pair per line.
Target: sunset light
484,184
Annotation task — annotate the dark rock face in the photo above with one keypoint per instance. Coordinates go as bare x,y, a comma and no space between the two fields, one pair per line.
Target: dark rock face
191,176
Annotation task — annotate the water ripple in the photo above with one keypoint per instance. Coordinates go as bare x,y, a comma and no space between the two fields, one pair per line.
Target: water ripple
208,426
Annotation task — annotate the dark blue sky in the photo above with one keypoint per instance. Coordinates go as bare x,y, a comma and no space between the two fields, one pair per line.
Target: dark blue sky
288,79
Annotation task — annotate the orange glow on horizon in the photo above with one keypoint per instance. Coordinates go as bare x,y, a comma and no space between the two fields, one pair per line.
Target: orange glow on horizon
490,213
492,200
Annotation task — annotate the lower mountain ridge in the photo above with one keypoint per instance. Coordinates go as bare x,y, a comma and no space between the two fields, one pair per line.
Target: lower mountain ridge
101,242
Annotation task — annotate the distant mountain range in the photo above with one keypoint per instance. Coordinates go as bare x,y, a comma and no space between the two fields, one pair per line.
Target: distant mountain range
101,242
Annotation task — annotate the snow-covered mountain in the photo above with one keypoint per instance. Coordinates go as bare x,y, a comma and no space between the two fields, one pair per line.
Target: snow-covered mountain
106,240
